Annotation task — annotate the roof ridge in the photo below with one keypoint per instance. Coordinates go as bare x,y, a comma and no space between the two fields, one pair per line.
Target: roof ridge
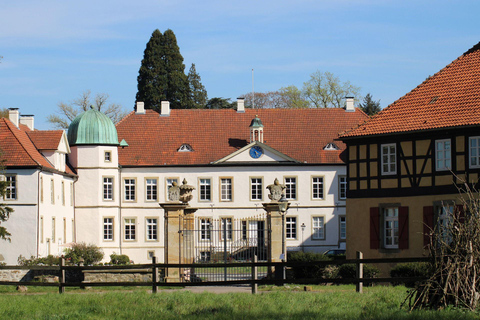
9,124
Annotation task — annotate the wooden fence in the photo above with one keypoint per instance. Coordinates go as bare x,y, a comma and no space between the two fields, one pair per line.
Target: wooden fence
276,273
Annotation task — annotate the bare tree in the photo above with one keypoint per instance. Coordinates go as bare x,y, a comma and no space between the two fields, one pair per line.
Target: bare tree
67,112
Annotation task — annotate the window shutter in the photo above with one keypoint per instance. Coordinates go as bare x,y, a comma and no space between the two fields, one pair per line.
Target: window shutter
403,228
427,224
374,228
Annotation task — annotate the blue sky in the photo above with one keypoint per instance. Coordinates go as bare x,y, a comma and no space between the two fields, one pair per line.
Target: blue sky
55,50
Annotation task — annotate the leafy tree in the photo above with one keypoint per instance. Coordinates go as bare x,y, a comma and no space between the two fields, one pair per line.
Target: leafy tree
292,97
89,254
220,103
5,210
370,106
67,112
4,113
197,92
162,73
325,90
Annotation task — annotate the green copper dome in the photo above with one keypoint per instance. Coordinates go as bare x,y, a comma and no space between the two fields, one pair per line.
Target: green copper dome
256,123
92,127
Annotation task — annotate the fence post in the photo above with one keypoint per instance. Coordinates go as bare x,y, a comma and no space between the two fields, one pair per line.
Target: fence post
359,272
61,280
154,274
254,275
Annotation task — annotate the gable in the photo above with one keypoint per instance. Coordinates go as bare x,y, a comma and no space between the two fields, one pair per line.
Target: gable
256,152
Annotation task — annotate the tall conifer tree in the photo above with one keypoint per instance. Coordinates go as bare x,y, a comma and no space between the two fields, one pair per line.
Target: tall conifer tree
197,93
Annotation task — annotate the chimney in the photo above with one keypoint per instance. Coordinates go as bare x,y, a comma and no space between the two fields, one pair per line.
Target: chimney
27,120
165,109
140,108
13,115
350,104
241,105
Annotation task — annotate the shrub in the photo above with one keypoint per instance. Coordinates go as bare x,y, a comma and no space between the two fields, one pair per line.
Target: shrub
90,254
306,272
43,261
413,269
119,259
349,271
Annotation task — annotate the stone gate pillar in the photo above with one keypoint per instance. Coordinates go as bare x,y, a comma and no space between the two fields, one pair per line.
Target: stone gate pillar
179,218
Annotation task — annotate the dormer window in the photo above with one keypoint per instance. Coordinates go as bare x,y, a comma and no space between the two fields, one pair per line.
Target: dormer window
185,148
331,146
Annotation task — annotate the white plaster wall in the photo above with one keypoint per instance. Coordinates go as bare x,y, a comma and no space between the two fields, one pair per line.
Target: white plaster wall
93,157
265,157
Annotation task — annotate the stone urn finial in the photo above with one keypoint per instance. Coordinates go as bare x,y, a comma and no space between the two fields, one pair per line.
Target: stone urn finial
186,191
276,190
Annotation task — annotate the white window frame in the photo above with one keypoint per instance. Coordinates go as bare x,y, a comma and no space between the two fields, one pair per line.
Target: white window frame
388,158
129,229
474,152
108,229
256,189
318,188
318,228
342,187
151,189
129,193
205,229
229,230
108,156
291,228
443,154
342,224
226,189
108,188
205,189
390,227
291,188
151,232
11,190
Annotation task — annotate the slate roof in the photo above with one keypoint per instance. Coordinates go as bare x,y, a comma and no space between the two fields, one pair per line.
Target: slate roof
449,98
213,134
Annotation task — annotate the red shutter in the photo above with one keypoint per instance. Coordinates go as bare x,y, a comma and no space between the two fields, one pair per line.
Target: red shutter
427,224
374,228
403,228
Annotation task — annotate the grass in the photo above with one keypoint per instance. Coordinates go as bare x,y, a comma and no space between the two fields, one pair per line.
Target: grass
289,302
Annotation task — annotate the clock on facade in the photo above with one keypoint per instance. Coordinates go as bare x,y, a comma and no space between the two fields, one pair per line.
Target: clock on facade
256,152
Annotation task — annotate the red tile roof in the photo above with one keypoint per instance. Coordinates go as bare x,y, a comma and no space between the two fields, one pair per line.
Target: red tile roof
45,139
450,98
213,134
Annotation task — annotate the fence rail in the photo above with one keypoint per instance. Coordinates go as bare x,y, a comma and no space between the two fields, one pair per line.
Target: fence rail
275,274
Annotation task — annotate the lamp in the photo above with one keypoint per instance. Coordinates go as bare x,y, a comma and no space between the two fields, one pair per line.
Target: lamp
283,204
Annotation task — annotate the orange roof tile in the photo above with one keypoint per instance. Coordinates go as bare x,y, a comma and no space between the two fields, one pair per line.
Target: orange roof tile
214,134
450,98
45,139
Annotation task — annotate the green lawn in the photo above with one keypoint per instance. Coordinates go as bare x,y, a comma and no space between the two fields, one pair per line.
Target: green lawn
289,302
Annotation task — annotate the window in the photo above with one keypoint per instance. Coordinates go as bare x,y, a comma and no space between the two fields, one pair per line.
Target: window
185,148
291,190
108,156
291,227
204,256
226,228
64,230
474,152
318,228
389,158
244,230
256,188
151,189
444,214
41,230
41,189
108,229
63,193
205,190
317,188
107,188
11,193
71,194
73,229
443,154
342,187
129,189
226,189
390,216
129,229
343,228
53,229
169,183
52,191
205,229
152,229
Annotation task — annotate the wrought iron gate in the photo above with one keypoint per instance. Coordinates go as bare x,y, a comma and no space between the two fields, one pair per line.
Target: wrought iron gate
224,240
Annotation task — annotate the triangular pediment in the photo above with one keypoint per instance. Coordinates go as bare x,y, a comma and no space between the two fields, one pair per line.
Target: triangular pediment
256,152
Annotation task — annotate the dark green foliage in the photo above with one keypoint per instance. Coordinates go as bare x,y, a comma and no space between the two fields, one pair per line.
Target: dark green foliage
90,254
349,271
119,259
307,272
413,269
197,92
44,261
220,103
162,73
5,210
370,106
